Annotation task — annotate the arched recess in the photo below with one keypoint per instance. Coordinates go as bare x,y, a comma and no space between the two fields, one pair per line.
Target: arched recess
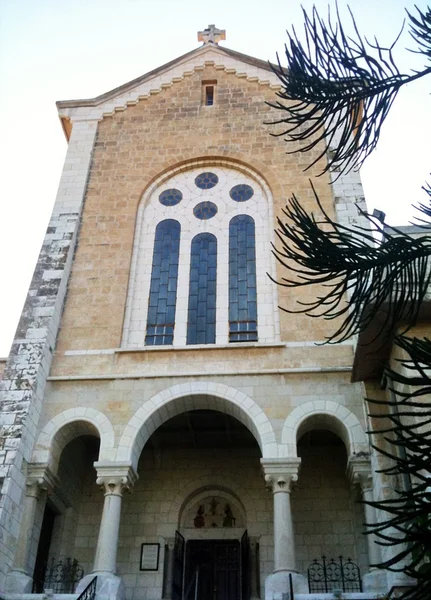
194,396
68,425
326,415
207,483
205,493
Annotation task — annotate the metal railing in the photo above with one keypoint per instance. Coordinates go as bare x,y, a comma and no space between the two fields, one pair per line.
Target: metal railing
90,591
329,575
61,576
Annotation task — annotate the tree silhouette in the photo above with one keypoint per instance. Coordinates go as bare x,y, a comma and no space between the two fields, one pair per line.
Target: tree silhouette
337,90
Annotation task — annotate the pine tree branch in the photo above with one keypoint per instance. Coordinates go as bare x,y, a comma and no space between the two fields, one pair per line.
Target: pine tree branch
337,90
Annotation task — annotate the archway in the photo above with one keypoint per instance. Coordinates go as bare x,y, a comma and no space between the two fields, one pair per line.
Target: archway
73,450
195,396
66,426
328,521
337,418
200,493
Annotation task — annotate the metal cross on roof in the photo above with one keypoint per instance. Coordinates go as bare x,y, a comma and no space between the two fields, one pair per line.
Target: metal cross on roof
211,35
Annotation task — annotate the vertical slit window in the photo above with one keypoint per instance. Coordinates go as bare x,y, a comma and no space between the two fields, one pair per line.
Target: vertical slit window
201,321
242,280
163,287
209,95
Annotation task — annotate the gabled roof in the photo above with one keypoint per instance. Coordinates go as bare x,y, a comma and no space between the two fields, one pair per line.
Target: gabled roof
153,82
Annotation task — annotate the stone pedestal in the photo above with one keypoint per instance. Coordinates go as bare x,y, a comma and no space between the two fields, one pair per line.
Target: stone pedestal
280,474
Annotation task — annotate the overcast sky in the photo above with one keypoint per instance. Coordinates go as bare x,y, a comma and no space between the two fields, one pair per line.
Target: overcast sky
61,49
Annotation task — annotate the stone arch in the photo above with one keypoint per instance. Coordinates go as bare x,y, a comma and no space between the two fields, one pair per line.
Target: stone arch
332,416
193,396
66,426
207,483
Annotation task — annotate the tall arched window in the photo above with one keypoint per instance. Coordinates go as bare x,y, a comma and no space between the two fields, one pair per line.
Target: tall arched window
210,287
242,280
201,321
163,287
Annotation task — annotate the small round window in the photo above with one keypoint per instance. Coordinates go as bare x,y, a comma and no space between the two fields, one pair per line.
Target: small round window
241,192
205,210
170,197
206,181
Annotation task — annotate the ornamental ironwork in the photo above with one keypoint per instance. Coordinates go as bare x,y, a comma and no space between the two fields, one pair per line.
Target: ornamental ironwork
62,576
329,575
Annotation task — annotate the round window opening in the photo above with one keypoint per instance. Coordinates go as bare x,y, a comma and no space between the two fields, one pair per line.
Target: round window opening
170,197
241,192
205,210
206,181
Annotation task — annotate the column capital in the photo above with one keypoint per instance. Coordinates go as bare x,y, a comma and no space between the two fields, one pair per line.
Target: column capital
115,478
359,472
40,478
280,473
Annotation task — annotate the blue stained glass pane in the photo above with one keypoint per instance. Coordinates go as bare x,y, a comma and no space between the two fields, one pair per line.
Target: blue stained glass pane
206,181
170,198
242,275
163,286
205,210
241,192
202,290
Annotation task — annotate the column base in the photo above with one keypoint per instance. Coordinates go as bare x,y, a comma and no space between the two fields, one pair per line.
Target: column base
18,582
278,584
399,582
109,586
375,581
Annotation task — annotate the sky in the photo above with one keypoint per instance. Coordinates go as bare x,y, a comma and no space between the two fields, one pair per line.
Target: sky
63,49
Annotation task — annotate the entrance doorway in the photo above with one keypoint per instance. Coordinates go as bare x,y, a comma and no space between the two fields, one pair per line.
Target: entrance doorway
213,567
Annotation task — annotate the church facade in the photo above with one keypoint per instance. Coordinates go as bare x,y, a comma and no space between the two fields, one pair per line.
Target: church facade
165,424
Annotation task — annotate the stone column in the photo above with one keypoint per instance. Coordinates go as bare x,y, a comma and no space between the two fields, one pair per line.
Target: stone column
114,479
39,480
360,474
280,474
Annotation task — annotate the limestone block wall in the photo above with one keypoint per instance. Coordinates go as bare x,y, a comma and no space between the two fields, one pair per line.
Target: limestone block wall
327,518
273,397
23,383
136,146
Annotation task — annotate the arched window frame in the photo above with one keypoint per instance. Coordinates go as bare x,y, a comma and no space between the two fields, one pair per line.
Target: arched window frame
151,212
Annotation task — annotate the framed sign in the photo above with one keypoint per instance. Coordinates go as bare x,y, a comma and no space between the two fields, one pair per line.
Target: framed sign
149,557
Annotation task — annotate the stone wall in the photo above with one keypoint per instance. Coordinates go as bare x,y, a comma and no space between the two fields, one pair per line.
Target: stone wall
327,519
22,387
135,147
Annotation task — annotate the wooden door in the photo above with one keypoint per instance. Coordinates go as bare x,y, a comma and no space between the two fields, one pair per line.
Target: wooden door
216,566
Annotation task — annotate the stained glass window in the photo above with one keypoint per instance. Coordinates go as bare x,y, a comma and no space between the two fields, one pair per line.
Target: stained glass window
201,322
241,192
205,210
242,280
170,197
163,287
206,181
